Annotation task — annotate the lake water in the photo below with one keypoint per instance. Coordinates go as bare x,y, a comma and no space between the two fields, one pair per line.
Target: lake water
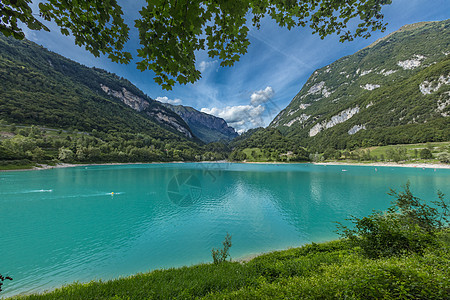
101,222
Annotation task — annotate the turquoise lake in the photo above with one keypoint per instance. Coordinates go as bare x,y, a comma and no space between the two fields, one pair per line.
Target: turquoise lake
102,222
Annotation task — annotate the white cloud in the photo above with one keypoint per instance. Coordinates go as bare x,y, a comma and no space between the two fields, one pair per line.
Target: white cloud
30,34
167,100
206,64
240,117
261,96
244,117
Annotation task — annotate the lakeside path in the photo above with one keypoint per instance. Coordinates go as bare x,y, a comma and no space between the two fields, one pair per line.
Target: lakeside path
388,164
377,164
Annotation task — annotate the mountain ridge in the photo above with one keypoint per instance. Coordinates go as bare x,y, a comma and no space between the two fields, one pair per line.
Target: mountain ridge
102,84
35,75
337,94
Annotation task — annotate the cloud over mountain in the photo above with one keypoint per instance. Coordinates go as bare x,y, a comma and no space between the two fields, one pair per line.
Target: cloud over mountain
262,96
170,101
244,117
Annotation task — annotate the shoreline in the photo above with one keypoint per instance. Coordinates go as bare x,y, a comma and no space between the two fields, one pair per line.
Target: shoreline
67,165
375,164
334,163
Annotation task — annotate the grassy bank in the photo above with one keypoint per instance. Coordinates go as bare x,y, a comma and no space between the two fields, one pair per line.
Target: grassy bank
326,271
425,153
16,165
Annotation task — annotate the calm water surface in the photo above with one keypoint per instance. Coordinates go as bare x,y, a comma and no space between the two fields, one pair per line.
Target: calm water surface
100,222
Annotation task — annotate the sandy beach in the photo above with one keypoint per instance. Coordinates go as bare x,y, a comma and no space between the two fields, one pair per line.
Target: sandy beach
388,164
376,164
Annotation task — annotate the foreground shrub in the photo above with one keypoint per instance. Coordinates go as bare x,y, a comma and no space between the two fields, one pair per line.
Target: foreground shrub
409,225
221,255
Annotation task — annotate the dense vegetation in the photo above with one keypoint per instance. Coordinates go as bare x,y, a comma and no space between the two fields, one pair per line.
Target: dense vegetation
23,147
267,145
437,152
42,88
54,94
341,269
254,147
409,225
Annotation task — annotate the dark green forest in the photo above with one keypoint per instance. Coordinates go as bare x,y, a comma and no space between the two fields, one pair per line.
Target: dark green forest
53,109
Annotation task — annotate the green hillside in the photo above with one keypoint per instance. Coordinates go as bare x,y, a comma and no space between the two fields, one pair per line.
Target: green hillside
100,116
42,88
395,91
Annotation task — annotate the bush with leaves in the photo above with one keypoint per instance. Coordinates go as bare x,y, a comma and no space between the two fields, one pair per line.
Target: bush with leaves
444,158
409,226
221,255
426,154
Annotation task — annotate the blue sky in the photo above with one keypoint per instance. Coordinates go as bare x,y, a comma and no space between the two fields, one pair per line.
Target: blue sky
264,81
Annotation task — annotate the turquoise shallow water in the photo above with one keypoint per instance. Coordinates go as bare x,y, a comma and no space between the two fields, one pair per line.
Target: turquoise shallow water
62,225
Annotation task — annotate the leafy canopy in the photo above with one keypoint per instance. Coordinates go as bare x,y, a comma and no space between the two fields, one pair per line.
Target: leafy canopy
172,31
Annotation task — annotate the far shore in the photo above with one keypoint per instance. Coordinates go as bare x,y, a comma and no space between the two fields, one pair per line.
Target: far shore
334,163
66,165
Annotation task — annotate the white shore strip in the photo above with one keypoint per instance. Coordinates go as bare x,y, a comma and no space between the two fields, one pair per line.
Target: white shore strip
388,164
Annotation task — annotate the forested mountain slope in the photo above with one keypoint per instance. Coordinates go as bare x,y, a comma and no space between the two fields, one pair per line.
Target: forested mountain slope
43,88
397,90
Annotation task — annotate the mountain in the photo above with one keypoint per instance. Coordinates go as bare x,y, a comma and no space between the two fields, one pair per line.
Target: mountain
53,109
396,90
206,127
43,88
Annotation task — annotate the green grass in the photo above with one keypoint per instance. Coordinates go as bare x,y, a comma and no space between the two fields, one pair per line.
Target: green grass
438,147
16,165
411,156
255,154
331,270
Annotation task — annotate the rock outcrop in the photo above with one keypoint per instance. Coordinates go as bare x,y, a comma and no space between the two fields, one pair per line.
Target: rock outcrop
151,108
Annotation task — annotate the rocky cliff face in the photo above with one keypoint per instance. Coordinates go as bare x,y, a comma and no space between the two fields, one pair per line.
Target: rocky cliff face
206,127
133,101
400,80
150,108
